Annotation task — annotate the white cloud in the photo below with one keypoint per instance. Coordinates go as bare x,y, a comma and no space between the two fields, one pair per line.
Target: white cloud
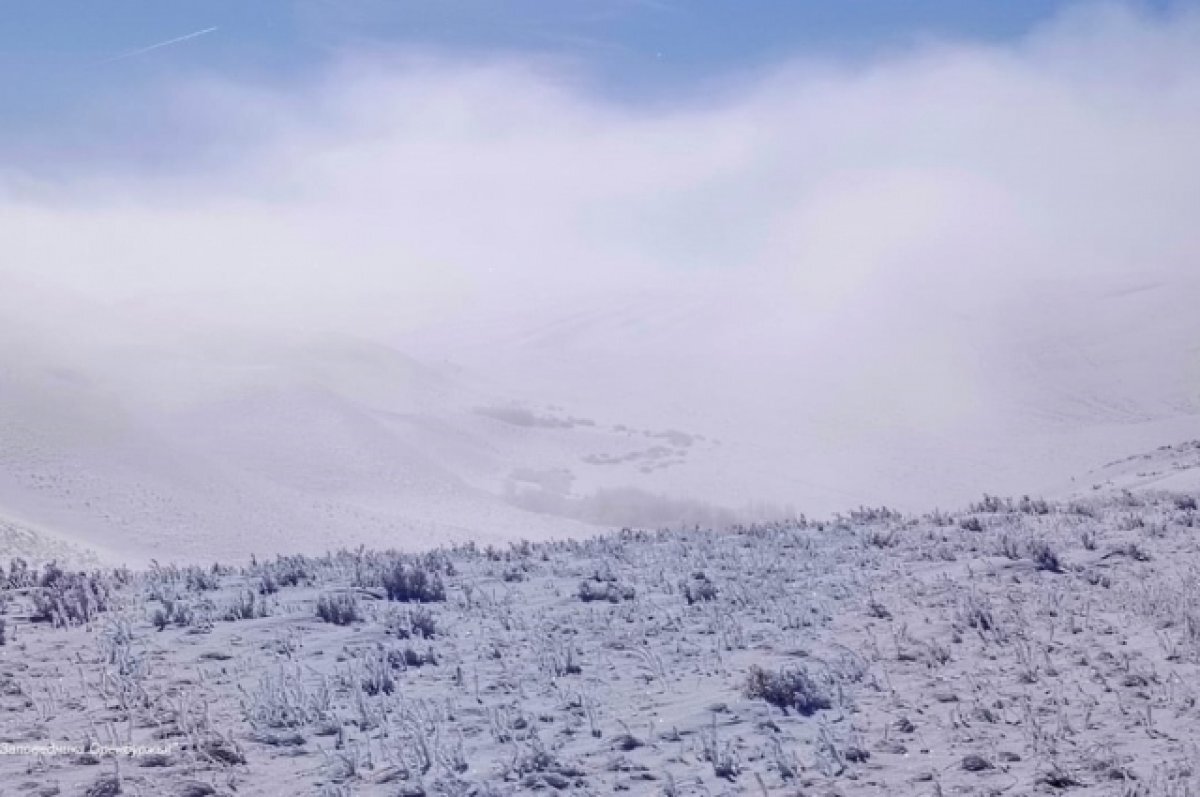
884,229
1064,154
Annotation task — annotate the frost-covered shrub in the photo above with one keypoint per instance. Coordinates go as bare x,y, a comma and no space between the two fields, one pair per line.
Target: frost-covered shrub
1081,509
19,574
975,611
267,585
1044,556
340,608
992,504
871,514
410,657
106,785
413,584
699,589
200,580
1185,502
1009,547
285,699
421,623
883,538
288,571
1033,506
64,598
246,606
377,678
604,591
182,614
789,688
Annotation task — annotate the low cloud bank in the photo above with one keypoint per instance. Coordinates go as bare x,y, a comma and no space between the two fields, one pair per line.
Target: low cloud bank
897,243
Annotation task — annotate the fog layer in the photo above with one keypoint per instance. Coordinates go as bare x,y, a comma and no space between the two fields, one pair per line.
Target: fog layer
909,280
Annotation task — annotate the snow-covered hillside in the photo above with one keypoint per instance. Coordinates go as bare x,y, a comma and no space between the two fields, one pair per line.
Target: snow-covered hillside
704,404
1015,646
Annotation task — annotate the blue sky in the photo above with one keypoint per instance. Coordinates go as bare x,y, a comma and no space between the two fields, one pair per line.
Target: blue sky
55,56
84,81
65,37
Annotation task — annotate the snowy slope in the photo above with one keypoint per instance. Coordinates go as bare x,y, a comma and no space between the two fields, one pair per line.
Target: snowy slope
874,400
1174,468
191,440
707,404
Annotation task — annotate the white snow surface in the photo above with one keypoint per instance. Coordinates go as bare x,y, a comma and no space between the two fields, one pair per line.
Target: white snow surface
709,403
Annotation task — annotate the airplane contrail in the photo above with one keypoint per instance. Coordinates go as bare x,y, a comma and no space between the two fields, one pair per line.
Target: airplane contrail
167,43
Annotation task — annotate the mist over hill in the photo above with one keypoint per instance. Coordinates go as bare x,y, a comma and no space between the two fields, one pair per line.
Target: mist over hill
414,298
219,439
